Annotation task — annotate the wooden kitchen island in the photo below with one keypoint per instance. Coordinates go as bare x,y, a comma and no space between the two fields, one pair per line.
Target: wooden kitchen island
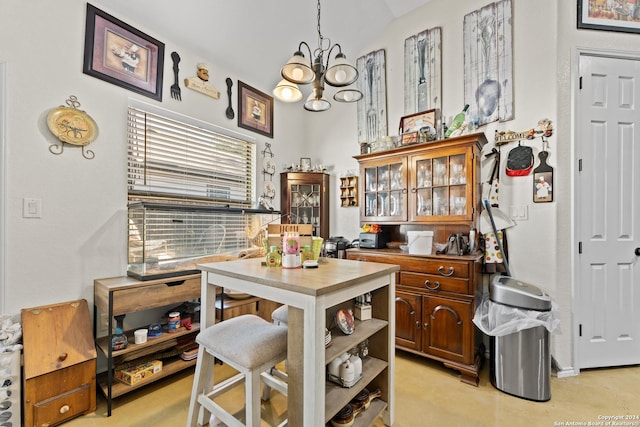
313,297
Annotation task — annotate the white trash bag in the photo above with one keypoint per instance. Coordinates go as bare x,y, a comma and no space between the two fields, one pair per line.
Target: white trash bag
498,320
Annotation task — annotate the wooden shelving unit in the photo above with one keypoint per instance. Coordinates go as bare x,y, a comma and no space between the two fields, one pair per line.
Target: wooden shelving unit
119,296
336,396
348,191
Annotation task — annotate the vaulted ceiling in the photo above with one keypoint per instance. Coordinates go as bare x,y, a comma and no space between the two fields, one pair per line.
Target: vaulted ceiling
254,38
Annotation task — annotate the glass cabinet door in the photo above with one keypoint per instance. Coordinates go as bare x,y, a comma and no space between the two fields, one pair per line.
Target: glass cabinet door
305,204
438,186
385,191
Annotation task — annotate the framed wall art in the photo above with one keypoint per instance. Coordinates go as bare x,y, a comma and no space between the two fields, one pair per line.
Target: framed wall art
122,55
621,16
372,108
488,63
423,71
256,110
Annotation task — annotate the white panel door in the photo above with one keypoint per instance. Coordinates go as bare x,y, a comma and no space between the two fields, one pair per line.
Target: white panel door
608,212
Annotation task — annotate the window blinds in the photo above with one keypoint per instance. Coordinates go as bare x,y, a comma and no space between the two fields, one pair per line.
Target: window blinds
175,161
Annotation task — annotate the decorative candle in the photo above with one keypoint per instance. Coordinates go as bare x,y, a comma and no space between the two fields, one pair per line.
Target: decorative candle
291,243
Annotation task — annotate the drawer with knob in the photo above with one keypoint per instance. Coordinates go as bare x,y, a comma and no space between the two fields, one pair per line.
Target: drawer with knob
432,282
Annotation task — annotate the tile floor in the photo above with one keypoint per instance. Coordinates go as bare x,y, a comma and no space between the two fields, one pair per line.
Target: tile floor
427,394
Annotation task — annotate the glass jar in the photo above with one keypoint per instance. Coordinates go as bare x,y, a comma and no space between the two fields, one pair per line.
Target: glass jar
291,243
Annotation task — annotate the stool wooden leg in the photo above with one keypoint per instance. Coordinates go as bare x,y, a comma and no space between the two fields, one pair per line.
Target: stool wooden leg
203,373
252,399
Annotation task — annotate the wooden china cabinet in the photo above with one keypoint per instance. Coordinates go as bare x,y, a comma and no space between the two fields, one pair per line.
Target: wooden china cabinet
434,186
304,199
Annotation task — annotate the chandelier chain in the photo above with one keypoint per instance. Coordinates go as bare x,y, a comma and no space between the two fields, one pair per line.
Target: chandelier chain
321,40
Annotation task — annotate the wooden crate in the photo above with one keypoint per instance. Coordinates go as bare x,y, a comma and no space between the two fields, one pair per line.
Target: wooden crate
275,232
59,363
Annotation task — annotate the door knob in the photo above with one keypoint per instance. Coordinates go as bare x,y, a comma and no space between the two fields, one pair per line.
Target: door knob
637,251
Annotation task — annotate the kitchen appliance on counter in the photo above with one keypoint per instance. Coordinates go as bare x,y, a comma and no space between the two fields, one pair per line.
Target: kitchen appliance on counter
374,240
336,247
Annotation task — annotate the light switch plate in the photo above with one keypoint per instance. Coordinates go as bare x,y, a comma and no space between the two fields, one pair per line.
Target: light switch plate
519,212
31,208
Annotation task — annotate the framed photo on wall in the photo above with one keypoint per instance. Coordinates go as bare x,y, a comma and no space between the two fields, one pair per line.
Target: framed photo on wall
122,55
620,16
256,110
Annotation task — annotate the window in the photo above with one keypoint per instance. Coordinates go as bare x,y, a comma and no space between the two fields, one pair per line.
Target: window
191,188
178,161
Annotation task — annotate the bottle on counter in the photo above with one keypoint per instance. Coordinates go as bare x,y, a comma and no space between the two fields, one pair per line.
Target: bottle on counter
307,253
273,257
457,121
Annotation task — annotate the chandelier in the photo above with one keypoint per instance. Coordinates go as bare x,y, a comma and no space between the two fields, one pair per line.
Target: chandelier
299,70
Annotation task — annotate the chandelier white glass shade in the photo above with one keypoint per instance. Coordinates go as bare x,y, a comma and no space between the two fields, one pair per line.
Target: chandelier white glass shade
287,91
300,71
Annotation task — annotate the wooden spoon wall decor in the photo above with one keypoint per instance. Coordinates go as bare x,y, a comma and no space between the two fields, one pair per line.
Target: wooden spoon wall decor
229,112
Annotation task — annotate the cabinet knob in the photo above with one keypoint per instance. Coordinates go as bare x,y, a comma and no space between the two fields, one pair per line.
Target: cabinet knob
427,284
426,325
418,324
64,409
441,271
62,357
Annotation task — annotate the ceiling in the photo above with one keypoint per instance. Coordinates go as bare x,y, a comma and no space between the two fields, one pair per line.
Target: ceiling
254,38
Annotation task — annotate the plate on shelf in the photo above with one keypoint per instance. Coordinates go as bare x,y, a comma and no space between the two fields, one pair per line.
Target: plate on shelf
269,189
345,322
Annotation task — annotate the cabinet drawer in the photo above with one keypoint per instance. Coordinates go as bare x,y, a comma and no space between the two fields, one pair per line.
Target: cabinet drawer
156,295
62,407
435,283
441,266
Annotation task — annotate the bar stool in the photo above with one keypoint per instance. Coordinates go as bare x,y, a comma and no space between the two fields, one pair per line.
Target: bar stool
250,345
274,377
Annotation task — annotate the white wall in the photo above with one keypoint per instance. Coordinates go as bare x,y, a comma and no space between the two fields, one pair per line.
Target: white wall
82,232
541,249
81,235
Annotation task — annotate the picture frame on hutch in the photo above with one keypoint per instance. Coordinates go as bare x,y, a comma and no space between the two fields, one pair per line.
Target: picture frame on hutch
256,110
622,17
305,164
411,126
122,55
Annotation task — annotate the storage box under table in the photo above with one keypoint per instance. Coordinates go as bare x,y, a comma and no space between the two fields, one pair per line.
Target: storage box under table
138,373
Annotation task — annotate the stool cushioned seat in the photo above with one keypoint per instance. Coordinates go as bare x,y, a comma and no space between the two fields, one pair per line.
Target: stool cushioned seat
248,340
249,344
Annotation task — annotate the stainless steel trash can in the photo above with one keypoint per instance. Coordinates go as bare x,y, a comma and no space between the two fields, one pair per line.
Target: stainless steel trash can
521,361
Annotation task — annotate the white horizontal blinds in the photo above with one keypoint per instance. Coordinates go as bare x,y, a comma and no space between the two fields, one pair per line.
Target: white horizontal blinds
179,161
